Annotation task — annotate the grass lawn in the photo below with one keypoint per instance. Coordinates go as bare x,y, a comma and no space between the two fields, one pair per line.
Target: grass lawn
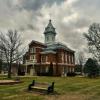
68,88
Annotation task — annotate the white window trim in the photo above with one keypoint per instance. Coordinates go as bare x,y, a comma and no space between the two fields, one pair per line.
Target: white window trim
46,58
32,57
32,50
69,58
42,58
46,69
62,57
66,58
72,59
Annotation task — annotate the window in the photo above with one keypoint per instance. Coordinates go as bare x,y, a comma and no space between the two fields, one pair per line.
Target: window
46,58
72,59
32,57
47,69
66,58
47,38
69,59
62,57
32,50
43,58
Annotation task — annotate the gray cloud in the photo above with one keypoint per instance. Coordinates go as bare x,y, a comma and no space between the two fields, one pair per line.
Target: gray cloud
88,8
70,18
37,4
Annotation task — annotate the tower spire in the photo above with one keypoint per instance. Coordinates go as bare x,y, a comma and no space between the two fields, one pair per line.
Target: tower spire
50,20
49,33
50,16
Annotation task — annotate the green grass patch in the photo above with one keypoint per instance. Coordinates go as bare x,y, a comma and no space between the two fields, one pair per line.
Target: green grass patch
64,86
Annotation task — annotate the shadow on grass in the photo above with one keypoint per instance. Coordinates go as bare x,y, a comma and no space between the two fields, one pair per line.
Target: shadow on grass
41,92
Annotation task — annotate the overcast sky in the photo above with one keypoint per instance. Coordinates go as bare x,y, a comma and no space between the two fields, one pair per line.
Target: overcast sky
70,18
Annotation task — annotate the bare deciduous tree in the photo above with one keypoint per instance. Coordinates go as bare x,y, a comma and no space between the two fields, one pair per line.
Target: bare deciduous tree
93,38
10,45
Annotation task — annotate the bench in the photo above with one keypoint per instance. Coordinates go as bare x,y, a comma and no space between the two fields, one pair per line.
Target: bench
49,88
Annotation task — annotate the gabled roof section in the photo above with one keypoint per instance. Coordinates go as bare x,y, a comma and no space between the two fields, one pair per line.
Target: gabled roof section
49,28
33,41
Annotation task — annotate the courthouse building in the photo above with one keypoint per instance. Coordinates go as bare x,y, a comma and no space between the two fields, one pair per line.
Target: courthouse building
41,56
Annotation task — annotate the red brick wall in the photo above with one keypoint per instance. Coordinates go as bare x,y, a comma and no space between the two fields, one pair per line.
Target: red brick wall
70,57
37,53
51,58
55,58
38,56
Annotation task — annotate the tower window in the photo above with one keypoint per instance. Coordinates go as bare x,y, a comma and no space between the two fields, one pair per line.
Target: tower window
52,38
47,38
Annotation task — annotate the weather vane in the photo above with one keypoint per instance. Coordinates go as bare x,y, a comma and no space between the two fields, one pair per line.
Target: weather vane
50,15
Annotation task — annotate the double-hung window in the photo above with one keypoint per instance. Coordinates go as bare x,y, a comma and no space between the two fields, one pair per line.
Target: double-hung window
62,57
32,50
32,57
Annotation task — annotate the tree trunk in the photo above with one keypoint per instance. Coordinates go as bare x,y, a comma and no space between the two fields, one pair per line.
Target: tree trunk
9,70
